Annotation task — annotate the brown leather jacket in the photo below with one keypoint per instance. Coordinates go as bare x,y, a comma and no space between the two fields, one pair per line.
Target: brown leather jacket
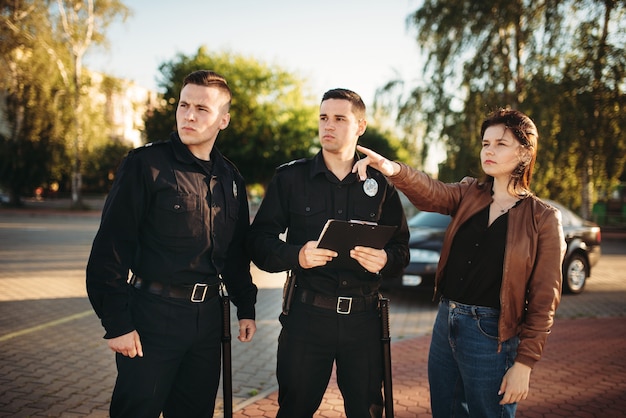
535,246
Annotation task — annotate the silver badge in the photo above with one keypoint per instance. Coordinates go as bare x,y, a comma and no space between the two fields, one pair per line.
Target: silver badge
234,188
370,187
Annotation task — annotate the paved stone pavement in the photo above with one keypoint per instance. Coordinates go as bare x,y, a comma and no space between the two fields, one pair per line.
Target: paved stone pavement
53,361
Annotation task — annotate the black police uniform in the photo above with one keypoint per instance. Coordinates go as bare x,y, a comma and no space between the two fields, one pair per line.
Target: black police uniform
317,331
179,224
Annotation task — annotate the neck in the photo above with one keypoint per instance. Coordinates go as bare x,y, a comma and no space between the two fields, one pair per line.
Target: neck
202,152
501,190
502,200
338,164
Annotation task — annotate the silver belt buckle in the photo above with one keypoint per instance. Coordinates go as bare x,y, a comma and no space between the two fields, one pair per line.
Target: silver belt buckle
344,305
200,288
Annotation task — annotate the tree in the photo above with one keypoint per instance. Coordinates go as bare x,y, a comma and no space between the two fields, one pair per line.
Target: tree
595,78
41,52
272,118
384,143
34,99
550,59
82,23
101,165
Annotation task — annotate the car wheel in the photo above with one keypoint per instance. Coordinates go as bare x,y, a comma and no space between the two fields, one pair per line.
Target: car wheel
575,274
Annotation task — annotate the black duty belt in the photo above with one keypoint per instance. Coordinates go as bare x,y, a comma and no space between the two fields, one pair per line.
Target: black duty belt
198,292
339,304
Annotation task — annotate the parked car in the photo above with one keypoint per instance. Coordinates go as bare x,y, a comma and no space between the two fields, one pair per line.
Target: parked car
583,240
425,242
427,230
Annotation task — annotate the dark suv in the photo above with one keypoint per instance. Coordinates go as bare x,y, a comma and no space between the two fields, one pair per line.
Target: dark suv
428,228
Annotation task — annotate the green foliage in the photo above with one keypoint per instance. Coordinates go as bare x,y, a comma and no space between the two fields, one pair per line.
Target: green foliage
562,63
81,24
34,98
272,120
48,130
374,139
101,165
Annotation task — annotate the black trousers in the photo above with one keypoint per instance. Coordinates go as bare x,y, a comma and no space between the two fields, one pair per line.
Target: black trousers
312,339
180,371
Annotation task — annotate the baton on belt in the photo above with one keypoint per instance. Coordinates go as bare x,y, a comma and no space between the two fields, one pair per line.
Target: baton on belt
227,377
289,290
386,341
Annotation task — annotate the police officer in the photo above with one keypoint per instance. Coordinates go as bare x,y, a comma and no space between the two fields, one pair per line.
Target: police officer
177,217
334,316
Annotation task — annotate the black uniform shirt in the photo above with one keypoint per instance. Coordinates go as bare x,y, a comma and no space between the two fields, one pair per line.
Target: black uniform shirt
169,220
302,196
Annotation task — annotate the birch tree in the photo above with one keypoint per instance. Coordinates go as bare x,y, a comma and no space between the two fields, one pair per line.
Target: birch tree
82,24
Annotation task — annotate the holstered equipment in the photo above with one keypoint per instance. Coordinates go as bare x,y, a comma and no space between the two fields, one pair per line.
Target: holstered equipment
289,290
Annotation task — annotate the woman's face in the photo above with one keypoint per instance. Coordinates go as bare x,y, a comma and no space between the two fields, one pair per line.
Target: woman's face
501,152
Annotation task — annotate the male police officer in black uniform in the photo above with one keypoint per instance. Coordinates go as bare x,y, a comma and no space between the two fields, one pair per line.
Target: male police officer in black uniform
177,216
334,316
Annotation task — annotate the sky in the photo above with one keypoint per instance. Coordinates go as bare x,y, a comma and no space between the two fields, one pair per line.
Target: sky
354,44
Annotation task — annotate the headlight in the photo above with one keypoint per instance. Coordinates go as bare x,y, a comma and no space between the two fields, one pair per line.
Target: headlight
423,256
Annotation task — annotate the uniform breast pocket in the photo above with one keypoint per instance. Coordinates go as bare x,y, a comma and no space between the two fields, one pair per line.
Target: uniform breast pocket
178,216
307,218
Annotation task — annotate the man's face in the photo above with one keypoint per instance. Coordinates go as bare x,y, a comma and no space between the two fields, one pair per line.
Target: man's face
200,115
339,128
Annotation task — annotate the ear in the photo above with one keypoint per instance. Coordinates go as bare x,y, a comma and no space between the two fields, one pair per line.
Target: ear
362,127
225,121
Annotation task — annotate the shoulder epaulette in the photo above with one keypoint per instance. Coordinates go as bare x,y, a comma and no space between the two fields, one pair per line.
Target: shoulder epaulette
150,144
160,142
291,163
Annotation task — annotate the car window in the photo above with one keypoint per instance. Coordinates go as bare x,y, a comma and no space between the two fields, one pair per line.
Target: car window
429,220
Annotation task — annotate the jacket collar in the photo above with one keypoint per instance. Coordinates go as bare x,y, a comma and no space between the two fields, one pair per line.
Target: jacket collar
319,167
182,154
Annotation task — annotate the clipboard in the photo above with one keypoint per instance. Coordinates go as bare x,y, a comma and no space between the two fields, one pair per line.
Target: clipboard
342,236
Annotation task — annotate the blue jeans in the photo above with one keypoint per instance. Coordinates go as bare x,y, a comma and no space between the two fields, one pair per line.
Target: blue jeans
465,369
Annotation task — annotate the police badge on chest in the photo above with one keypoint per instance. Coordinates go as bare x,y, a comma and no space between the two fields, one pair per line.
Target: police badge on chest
370,187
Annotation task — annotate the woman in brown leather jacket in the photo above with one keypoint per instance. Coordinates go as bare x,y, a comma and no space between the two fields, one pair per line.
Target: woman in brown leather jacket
499,274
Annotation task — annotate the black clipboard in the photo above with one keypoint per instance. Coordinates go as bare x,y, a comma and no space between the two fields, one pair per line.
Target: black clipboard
342,236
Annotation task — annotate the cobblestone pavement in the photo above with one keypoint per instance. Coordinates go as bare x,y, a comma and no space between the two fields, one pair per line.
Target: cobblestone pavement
54,361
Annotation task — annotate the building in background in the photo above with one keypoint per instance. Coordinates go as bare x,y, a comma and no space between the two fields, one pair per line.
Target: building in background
125,105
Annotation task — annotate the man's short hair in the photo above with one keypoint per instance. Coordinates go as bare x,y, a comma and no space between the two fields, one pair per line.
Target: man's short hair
209,79
358,107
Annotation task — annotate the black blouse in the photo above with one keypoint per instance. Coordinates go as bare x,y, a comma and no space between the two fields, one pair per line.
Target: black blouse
473,274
